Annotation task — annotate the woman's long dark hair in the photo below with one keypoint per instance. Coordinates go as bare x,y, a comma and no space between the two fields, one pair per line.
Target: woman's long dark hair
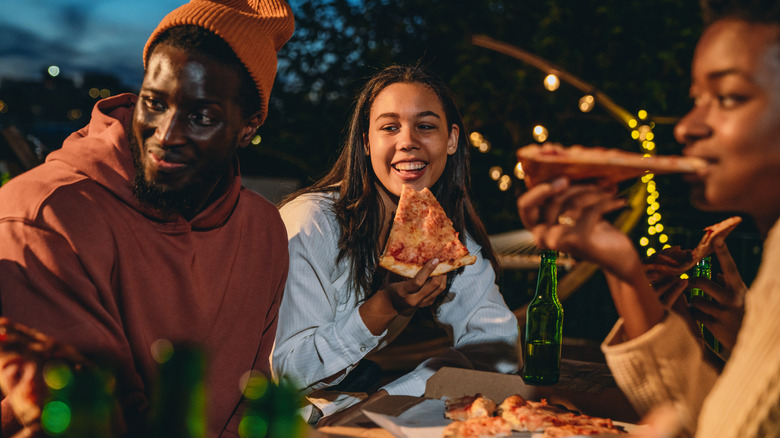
359,209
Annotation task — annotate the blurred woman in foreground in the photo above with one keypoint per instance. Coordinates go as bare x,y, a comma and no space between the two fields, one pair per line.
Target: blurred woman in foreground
735,126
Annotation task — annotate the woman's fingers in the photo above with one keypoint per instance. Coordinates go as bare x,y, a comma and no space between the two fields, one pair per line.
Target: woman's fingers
670,289
735,287
531,203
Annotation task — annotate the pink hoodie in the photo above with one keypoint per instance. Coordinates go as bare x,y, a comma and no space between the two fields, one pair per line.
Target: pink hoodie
83,261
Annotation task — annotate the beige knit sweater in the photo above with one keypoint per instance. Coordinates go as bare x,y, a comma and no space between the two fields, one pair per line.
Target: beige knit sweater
666,365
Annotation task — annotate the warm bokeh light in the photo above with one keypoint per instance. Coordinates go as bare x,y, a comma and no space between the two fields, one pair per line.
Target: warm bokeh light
479,141
644,241
496,172
74,114
642,114
105,93
476,138
162,350
551,82
632,123
256,140
663,238
519,172
650,251
3,107
94,93
540,133
53,71
504,183
587,103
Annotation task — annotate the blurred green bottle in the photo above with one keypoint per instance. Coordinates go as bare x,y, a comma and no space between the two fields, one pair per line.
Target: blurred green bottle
544,327
704,269
271,409
81,401
178,407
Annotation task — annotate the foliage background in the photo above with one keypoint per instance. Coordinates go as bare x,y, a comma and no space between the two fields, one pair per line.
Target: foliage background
636,52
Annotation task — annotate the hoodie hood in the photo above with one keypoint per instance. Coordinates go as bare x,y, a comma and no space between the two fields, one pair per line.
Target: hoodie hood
101,151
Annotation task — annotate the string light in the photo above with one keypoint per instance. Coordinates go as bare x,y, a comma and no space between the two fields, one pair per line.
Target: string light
551,82
504,183
540,133
479,141
587,103
654,237
519,172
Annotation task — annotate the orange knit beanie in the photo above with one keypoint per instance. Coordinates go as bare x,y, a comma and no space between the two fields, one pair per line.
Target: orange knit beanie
255,29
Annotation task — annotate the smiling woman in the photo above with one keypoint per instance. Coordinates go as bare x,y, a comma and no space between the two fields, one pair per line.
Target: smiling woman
340,306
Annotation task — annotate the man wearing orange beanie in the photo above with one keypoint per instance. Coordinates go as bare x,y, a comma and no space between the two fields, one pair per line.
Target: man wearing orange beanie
138,232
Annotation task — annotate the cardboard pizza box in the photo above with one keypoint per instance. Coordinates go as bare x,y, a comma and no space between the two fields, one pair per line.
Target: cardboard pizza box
590,390
586,387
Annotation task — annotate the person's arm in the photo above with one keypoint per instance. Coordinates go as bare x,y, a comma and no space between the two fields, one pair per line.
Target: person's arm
571,219
651,352
321,336
43,285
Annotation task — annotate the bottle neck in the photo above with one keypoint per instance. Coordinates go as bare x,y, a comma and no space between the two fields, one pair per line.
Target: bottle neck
703,268
547,282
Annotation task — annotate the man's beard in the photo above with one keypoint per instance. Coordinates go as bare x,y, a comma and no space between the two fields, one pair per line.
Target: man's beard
185,202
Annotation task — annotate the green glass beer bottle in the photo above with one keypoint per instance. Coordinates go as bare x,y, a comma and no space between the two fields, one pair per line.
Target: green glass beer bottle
704,269
179,399
544,327
81,401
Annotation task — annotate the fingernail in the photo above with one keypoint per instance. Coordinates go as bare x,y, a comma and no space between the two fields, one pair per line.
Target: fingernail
435,262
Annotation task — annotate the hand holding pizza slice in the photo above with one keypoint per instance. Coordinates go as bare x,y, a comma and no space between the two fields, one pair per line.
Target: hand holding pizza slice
422,231
675,261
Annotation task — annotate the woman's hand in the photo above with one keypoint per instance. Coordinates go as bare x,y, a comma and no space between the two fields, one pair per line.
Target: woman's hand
723,314
571,219
402,296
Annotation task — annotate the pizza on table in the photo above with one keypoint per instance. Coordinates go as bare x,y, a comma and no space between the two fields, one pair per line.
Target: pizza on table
478,416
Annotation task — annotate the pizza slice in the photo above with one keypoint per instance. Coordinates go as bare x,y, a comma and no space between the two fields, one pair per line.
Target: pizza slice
479,427
422,231
469,406
526,415
547,161
674,261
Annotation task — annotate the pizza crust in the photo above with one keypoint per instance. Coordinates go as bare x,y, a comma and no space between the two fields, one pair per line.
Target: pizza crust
409,270
547,161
